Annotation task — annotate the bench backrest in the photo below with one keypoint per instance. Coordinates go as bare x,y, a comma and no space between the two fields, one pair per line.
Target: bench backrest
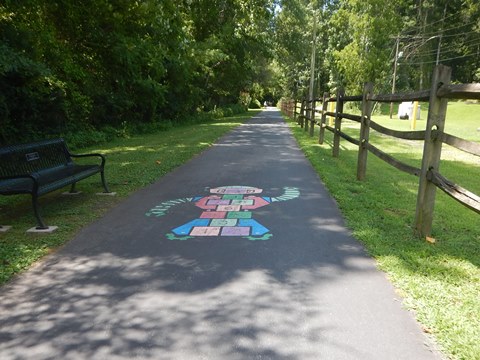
29,158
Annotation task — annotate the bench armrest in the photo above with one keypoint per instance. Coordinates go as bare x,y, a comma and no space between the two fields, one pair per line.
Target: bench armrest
89,155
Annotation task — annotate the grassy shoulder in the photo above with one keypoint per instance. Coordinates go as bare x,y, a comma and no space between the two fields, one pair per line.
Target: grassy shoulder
440,282
132,163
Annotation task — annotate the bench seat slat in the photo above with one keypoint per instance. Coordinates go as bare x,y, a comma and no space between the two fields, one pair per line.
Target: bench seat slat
65,177
49,180
16,186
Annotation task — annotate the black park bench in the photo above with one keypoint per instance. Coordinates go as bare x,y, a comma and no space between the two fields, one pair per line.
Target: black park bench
42,167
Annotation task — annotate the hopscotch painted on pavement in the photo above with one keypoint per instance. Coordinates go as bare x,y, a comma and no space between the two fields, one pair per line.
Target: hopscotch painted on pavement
226,212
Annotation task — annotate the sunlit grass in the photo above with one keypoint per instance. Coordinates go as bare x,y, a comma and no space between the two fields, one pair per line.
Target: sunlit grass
463,119
131,164
440,282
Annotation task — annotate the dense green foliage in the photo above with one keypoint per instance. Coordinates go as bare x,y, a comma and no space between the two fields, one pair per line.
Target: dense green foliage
90,69
96,65
356,42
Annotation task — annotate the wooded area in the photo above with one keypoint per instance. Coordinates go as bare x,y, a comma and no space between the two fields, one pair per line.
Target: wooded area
100,68
84,66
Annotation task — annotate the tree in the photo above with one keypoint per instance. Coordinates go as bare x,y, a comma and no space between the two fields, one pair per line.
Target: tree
360,30
293,36
231,42
70,66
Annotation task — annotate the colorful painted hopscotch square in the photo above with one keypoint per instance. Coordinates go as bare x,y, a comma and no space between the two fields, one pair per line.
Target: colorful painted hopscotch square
239,215
233,190
205,231
224,222
242,202
213,215
232,197
236,231
218,202
228,208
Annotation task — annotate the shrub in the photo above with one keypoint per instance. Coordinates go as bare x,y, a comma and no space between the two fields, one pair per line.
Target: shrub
86,137
255,104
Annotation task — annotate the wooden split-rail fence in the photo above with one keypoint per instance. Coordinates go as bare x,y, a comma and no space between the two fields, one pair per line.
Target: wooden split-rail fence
433,137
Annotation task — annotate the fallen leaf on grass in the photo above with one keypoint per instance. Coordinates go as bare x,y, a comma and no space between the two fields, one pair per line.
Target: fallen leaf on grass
426,330
430,239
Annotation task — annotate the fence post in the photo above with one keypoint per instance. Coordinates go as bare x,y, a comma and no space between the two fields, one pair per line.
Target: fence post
312,118
307,118
295,109
301,118
431,152
364,131
338,122
321,136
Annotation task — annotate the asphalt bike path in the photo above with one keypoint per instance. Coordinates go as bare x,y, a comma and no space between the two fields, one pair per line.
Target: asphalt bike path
239,254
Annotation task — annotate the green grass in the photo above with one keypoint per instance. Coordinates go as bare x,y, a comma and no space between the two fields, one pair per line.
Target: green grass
440,282
463,119
131,164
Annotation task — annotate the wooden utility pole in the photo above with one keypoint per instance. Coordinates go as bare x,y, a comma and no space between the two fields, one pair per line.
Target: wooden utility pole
395,63
441,35
312,66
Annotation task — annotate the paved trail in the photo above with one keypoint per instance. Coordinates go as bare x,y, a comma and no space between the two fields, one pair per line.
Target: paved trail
239,254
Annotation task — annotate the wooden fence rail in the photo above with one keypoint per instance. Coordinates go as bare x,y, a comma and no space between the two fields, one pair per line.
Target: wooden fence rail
433,137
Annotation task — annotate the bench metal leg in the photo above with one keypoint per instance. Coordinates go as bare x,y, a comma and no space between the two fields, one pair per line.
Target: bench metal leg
104,183
41,224
72,188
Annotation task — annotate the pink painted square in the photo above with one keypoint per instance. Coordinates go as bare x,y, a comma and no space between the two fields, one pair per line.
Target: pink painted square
213,215
205,231
236,231
218,202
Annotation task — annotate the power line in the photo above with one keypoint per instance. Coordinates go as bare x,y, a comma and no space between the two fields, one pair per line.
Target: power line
421,27
444,31
451,47
442,60
437,33
414,48
432,23
462,34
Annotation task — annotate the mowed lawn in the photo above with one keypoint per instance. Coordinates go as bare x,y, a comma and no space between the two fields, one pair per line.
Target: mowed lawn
440,281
